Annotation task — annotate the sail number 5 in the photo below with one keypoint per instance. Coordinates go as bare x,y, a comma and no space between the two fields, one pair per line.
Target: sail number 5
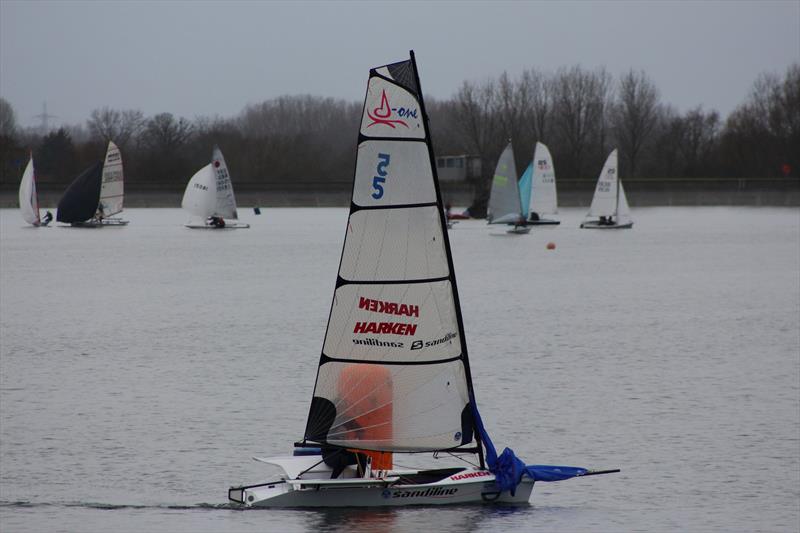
380,179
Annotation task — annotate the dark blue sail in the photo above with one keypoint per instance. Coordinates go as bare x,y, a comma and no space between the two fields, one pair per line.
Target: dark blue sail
80,200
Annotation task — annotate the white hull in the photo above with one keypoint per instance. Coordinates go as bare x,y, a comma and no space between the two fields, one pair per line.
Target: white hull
543,222
594,224
93,223
394,488
228,225
519,230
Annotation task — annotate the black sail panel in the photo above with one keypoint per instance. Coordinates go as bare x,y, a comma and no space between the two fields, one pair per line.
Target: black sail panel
80,200
393,374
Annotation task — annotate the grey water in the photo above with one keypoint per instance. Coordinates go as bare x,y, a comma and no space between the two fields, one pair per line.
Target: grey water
142,367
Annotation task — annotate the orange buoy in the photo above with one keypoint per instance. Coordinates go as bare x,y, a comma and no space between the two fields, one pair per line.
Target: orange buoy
551,246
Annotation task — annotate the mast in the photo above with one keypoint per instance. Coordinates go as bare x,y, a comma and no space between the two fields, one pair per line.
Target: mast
446,237
616,207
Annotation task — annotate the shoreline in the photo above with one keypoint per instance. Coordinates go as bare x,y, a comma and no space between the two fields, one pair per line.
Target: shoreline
575,193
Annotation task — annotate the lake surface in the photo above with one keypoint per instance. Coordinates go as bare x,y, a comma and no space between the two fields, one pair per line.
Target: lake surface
141,367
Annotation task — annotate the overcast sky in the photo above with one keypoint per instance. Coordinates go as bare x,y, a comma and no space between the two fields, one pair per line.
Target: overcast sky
213,58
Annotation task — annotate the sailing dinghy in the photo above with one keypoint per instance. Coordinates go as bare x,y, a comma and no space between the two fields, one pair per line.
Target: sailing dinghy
96,195
209,197
394,376
505,205
29,198
609,203
537,188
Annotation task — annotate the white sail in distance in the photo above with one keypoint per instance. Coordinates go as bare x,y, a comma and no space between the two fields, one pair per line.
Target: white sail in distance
112,182
393,375
210,191
543,197
505,206
28,197
604,201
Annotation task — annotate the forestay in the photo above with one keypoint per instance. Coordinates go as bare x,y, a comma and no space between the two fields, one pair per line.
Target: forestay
28,198
393,374
537,185
112,184
505,206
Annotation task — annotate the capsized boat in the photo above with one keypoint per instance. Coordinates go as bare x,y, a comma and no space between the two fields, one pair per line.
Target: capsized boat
96,195
209,197
609,203
537,188
394,375
505,204
29,198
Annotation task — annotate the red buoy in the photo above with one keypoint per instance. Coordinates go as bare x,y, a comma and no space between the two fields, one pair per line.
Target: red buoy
551,246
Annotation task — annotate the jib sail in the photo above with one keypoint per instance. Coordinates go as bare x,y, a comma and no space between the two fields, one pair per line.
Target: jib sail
394,374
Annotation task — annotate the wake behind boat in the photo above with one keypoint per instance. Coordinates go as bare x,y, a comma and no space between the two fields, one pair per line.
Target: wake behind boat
96,195
537,188
609,203
505,205
209,197
394,375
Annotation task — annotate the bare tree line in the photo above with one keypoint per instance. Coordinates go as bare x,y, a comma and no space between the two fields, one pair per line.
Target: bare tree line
308,141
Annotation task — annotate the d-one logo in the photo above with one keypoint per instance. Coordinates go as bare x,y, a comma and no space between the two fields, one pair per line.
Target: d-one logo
382,114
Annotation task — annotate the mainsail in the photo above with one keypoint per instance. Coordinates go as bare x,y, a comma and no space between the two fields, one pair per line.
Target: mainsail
504,201
80,200
28,198
393,374
537,186
210,191
112,183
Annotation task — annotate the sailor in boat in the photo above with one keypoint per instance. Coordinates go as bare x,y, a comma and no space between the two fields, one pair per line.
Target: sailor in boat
48,217
534,216
100,214
340,458
217,222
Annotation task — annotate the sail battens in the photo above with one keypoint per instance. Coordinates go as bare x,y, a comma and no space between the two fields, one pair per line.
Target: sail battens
393,374
355,208
327,359
342,281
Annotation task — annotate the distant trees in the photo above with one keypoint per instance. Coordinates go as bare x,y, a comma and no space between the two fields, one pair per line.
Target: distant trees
307,141
8,120
108,124
634,117
762,136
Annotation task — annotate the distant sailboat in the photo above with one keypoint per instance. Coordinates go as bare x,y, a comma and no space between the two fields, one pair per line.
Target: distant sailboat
29,198
394,376
505,205
537,188
96,195
209,197
609,203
